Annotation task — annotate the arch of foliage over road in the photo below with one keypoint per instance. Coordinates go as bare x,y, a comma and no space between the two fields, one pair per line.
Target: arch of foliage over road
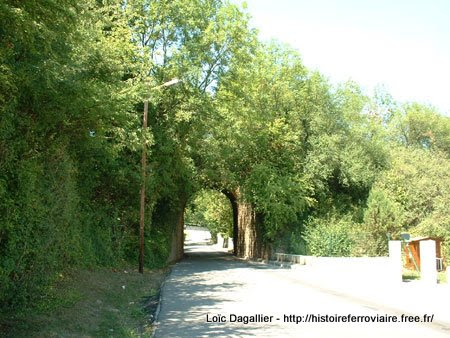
300,160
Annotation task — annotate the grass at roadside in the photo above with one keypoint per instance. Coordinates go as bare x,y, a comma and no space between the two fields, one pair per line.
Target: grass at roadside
97,303
442,277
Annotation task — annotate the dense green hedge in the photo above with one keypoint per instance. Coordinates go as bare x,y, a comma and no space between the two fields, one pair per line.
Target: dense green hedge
49,227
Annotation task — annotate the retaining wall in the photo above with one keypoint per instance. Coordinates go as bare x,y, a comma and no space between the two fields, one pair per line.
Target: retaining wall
356,268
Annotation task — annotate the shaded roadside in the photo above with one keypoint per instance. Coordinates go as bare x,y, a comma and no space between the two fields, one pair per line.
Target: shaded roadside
92,303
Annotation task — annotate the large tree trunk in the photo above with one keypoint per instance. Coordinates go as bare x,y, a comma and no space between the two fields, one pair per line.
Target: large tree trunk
250,237
247,225
234,205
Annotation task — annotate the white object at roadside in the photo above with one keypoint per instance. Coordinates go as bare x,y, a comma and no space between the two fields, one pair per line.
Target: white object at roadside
395,270
428,272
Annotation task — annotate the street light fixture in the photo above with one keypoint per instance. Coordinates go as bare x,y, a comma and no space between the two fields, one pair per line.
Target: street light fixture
143,175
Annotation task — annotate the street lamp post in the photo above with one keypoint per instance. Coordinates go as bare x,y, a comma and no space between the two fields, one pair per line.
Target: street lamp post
143,176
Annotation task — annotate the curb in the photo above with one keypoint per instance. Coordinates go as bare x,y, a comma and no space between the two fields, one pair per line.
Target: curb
284,265
158,308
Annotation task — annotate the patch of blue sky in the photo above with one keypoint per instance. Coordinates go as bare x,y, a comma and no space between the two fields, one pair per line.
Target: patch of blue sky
403,45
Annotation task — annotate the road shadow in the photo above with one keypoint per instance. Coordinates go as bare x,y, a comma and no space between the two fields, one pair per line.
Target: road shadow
190,294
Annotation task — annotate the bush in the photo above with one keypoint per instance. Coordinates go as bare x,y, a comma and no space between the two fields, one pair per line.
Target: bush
330,237
40,233
382,219
412,196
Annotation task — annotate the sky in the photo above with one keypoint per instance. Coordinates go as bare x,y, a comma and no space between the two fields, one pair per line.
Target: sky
403,45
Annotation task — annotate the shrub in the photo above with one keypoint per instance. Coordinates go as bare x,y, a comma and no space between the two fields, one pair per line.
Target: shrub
330,236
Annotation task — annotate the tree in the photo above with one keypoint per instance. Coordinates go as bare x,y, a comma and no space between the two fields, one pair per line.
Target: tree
194,41
417,125
255,146
411,196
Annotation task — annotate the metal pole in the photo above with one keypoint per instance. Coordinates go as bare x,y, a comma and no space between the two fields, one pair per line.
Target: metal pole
142,214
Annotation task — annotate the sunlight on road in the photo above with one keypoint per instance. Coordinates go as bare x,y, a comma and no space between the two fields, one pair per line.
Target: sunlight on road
196,235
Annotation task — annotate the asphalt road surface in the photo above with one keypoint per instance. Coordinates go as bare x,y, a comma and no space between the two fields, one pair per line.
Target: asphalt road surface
211,294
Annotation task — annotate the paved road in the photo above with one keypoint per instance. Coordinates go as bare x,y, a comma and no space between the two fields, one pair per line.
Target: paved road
210,283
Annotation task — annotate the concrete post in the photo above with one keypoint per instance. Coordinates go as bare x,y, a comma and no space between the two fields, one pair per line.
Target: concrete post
220,240
428,271
230,244
395,262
